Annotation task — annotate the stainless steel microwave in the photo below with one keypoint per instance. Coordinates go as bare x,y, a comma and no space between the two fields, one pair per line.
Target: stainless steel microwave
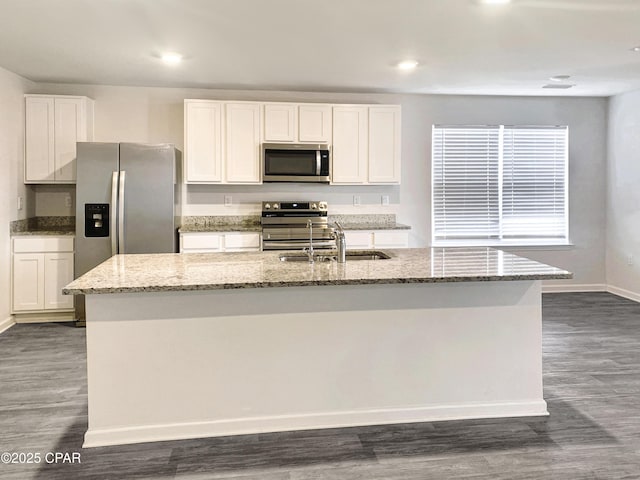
296,163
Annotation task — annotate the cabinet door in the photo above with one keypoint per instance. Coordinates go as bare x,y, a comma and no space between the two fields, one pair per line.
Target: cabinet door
384,144
203,142
70,127
279,122
39,139
314,123
242,159
58,272
349,162
28,281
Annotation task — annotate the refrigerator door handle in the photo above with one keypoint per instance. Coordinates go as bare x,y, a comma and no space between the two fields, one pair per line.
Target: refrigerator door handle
121,213
114,204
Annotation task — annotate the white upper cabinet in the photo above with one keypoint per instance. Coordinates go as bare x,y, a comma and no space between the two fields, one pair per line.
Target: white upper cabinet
242,159
293,122
366,144
39,139
203,141
384,144
53,125
314,123
223,139
280,122
350,144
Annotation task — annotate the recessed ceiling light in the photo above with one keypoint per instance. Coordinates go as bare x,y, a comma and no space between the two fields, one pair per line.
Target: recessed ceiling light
171,58
636,49
495,2
558,86
559,78
407,65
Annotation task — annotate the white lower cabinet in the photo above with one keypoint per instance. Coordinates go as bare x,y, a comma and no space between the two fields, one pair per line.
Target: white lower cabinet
359,239
206,242
41,266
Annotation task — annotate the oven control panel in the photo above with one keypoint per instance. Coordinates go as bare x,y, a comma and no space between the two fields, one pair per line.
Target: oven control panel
295,207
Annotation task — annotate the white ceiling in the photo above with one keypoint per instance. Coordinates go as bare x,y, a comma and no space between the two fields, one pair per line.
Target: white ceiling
328,45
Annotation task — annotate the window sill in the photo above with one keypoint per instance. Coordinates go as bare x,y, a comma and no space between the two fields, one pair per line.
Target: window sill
521,245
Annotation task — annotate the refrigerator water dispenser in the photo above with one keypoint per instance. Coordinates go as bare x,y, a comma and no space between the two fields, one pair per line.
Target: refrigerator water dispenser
96,219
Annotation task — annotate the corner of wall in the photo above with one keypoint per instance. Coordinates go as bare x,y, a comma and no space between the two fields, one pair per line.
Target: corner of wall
623,196
12,90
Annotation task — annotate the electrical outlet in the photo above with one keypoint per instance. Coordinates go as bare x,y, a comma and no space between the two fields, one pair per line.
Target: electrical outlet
67,200
630,259
227,201
384,200
356,200
19,203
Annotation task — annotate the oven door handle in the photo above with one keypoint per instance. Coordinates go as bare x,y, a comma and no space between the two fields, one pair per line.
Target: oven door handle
318,163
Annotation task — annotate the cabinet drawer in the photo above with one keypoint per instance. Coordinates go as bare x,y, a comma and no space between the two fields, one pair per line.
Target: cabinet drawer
241,240
391,239
37,244
357,239
201,242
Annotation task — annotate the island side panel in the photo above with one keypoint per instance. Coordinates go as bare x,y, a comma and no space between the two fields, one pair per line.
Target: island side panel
174,365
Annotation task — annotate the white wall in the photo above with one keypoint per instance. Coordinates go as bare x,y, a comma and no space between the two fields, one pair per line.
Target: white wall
12,89
623,195
141,114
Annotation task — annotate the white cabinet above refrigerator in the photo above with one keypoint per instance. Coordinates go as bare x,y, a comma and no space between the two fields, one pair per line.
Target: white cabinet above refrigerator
53,125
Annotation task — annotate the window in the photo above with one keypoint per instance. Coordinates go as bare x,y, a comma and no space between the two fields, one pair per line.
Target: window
499,184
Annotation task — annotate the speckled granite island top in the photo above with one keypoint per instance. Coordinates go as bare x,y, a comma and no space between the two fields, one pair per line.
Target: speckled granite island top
211,271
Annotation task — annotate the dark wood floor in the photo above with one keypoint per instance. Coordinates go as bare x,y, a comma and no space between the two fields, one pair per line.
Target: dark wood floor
592,385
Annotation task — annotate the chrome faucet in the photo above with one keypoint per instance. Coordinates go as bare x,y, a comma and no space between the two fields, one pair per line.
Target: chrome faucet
310,249
341,244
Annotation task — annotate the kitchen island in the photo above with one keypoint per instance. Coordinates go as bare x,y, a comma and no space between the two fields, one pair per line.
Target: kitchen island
196,345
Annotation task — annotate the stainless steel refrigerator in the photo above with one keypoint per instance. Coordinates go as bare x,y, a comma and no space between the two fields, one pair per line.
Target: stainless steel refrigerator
127,201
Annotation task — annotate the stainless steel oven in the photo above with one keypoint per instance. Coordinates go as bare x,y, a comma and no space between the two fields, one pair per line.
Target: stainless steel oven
285,225
296,163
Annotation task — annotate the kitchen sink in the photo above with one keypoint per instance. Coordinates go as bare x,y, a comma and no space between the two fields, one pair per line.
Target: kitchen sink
367,255
326,257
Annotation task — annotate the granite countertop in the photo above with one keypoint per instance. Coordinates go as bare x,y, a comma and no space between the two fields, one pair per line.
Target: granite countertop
375,226
60,231
43,226
204,228
251,223
258,228
69,233
211,271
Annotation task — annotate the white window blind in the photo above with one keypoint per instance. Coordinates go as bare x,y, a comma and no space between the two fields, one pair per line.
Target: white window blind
499,183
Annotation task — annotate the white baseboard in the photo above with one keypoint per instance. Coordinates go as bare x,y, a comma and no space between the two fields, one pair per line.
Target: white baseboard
588,287
592,287
7,323
45,317
621,292
282,423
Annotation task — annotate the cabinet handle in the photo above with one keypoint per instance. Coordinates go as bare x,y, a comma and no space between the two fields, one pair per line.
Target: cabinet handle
114,209
121,213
